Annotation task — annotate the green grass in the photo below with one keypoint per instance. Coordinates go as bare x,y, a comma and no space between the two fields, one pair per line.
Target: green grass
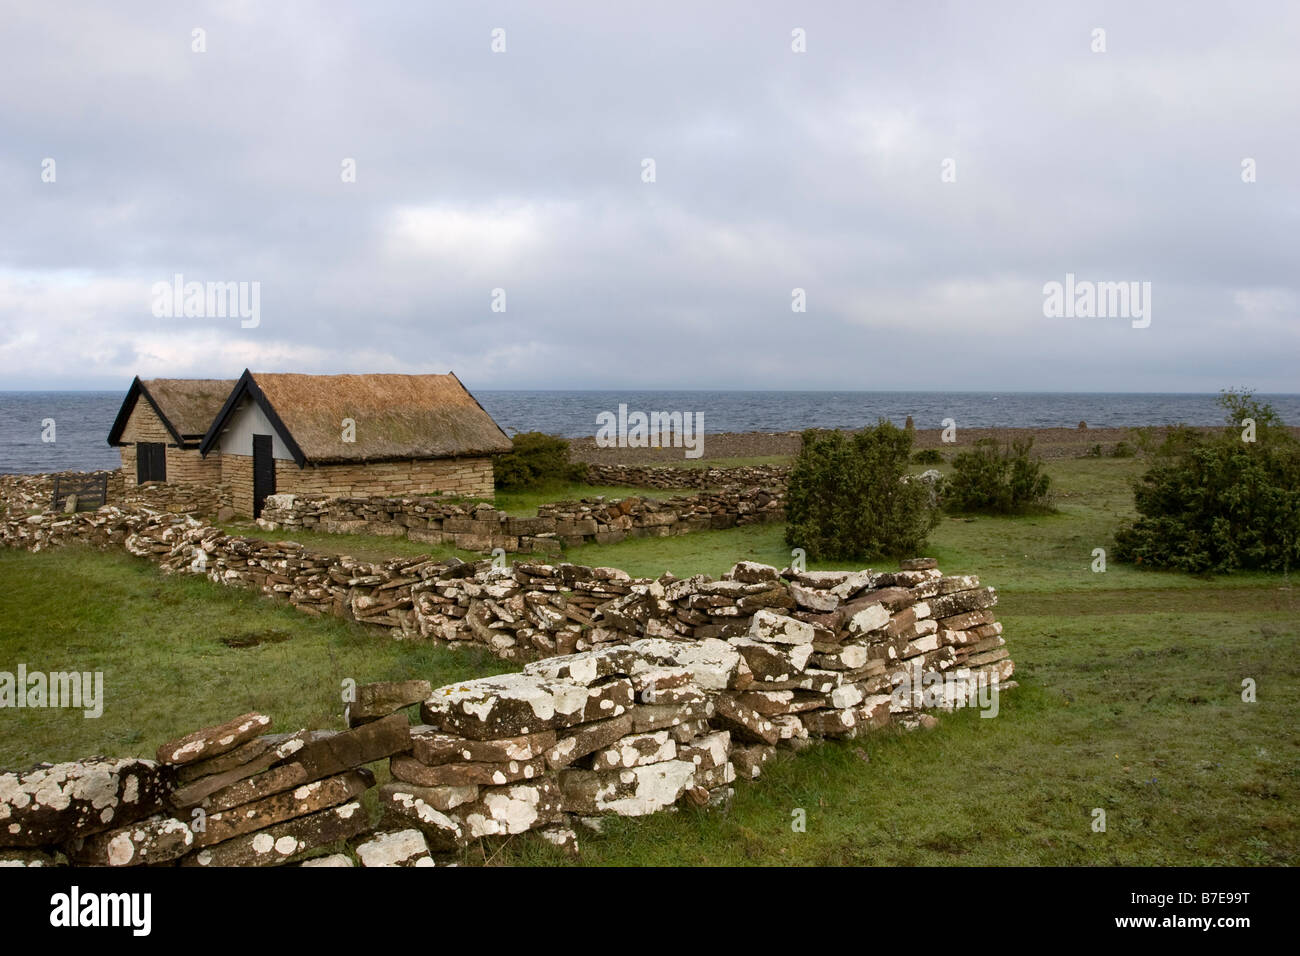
159,642
1130,700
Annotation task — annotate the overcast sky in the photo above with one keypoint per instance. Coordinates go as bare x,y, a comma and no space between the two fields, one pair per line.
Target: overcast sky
774,170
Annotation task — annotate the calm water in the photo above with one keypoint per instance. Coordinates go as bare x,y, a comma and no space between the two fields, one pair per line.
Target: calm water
82,419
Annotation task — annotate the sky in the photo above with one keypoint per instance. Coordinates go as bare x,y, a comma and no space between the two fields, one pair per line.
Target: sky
433,187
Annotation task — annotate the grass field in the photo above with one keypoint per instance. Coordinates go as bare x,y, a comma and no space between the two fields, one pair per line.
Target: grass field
1130,700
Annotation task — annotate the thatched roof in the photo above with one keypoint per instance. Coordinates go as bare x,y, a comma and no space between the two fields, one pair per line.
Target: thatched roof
397,416
185,405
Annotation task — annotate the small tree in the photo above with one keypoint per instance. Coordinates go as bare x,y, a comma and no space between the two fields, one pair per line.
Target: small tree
997,480
537,459
1219,502
850,498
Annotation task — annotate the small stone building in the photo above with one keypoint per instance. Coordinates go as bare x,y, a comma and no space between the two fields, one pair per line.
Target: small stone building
351,436
159,437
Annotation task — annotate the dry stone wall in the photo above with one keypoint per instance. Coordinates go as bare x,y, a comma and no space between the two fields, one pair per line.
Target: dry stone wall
481,527
24,494
636,695
648,476
695,683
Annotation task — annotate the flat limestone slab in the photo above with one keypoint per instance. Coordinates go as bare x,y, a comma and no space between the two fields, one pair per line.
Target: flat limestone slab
157,839
339,752
52,803
395,848
466,774
298,802
630,793
213,741
386,697
282,842
496,811
433,747
588,738
197,791
509,705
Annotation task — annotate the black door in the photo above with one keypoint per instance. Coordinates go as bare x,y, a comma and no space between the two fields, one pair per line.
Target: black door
263,472
150,461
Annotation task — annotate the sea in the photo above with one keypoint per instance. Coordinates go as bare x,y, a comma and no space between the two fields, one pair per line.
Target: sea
77,440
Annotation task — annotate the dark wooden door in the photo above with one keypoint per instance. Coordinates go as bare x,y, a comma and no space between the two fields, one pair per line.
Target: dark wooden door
150,461
263,472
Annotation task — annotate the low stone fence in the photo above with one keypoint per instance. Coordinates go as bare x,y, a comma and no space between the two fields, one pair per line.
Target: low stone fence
23,494
687,685
483,528
649,476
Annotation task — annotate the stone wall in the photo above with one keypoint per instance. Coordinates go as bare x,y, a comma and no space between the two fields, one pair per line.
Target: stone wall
22,494
671,690
237,475
483,528
455,477
186,465
143,425
646,476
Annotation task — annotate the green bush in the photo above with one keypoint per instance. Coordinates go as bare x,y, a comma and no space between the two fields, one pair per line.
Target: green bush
997,480
928,456
1122,449
1216,502
1094,451
847,498
537,459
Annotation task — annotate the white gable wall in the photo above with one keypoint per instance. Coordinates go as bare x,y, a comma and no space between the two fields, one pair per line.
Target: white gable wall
247,421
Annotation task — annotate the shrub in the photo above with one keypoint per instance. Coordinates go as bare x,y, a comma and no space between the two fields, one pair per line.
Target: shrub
1145,440
998,480
1122,449
537,459
928,456
1218,503
850,498
1094,451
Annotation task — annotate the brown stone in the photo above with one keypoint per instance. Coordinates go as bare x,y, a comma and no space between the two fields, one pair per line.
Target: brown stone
157,839
284,842
743,721
410,770
223,763
586,739
301,801
194,793
354,748
918,564
386,697
433,747
52,803
212,741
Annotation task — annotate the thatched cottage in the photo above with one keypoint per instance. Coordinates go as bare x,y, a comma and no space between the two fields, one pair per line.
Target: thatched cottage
352,436
159,437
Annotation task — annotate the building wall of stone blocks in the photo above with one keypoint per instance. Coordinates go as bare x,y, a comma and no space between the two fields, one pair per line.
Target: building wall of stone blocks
237,476
452,477
143,425
187,466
